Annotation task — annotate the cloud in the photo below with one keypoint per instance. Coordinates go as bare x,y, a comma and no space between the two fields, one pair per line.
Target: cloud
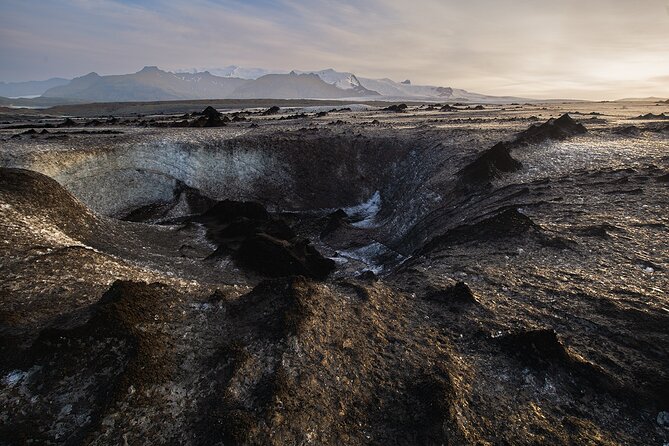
593,49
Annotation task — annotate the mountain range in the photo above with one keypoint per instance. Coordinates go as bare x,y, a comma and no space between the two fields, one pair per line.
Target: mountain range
154,84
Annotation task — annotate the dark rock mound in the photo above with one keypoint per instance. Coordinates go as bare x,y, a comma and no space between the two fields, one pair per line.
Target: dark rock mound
260,242
273,110
454,295
600,230
447,108
89,360
210,112
178,124
396,108
536,347
558,242
67,123
209,117
227,211
275,257
542,349
368,276
272,310
507,224
628,130
426,413
120,313
560,128
186,199
37,194
490,164
652,116
238,117
336,220
229,222
295,116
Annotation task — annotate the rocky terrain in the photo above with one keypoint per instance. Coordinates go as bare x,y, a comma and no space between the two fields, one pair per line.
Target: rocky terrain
355,274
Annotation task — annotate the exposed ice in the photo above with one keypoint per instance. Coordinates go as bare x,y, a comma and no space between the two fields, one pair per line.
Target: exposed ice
14,377
366,255
365,213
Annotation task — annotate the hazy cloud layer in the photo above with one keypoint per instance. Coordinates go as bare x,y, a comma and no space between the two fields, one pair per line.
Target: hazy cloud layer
561,48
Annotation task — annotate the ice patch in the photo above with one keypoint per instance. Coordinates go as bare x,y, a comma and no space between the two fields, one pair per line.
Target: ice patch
339,260
365,213
65,410
204,306
663,419
366,255
14,377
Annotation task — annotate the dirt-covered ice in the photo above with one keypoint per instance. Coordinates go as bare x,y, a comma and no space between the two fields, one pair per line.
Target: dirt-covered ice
466,276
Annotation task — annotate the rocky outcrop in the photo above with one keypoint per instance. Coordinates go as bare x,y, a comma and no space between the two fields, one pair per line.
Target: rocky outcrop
209,117
490,164
275,257
652,116
506,224
456,295
560,128
262,243
396,108
113,345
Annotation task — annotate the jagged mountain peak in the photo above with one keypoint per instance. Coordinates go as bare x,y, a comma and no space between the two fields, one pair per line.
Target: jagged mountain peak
153,83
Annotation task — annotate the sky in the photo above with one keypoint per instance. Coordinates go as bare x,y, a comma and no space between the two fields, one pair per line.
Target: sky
584,49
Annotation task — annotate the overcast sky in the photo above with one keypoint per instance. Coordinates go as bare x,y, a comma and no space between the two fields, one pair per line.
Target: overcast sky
590,49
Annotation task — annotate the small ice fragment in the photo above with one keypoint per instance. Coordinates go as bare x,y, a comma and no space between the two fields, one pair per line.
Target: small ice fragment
14,377
66,409
663,419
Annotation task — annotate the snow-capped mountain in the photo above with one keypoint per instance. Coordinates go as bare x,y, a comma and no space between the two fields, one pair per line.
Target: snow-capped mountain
343,80
233,71
298,85
154,84
386,88
234,82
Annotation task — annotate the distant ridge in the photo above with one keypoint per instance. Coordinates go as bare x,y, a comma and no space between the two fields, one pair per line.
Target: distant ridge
648,99
297,86
154,84
30,88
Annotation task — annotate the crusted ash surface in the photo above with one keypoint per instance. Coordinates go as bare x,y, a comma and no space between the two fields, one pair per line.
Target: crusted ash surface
350,275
